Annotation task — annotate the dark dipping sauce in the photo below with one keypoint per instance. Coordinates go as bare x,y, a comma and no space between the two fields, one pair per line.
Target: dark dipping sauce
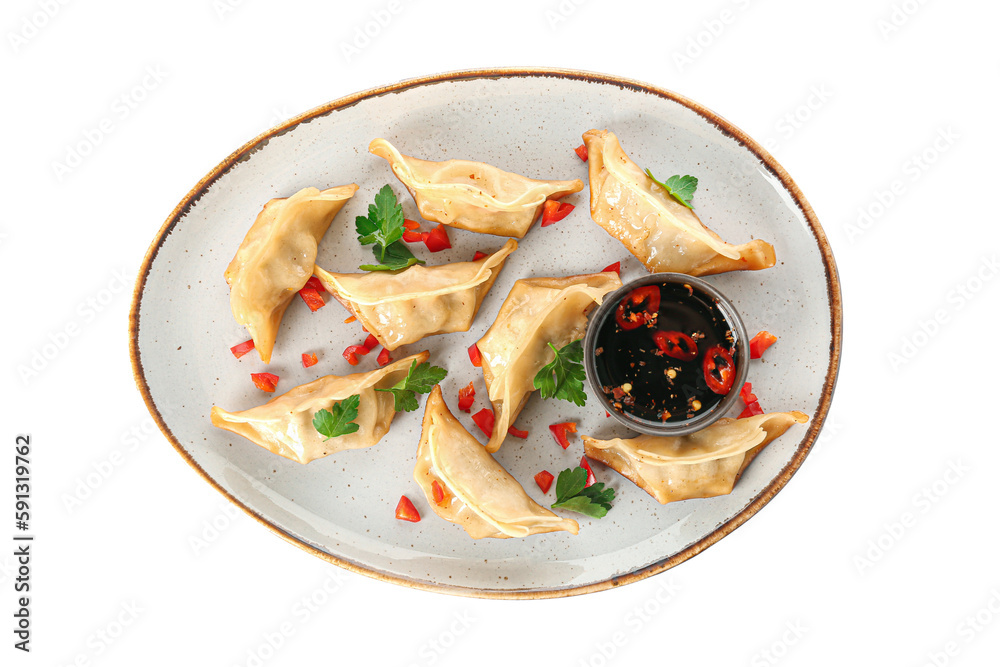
640,380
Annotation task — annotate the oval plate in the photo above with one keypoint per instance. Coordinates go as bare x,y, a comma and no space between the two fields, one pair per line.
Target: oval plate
527,121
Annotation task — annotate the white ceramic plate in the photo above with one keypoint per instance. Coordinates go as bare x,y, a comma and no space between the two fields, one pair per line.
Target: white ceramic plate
341,508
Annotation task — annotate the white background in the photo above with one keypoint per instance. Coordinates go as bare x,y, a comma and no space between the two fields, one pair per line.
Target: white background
873,554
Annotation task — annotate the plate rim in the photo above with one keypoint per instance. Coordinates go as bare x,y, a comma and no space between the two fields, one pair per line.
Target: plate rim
754,506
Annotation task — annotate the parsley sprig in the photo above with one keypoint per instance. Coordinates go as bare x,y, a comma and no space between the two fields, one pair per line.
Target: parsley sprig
339,419
573,494
680,188
383,227
563,377
419,380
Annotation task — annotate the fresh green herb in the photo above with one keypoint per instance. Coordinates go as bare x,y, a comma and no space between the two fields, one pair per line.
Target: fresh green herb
419,380
563,377
680,188
573,494
384,228
339,419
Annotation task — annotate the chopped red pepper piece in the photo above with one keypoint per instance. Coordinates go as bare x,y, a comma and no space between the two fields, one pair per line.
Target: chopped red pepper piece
412,237
352,352
352,318
309,360
581,152
405,510
466,396
544,480
241,349
559,432
642,302
410,224
747,395
440,495
478,256
676,344
265,381
474,356
312,298
517,433
607,414
616,267
371,342
314,283
485,420
554,211
751,410
585,464
760,342
383,357
719,369
437,240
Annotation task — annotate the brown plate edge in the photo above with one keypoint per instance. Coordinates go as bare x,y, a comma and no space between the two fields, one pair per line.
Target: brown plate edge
766,494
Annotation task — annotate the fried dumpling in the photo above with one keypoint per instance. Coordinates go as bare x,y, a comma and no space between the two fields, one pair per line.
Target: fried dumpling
400,307
706,463
473,195
479,495
538,311
284,425
662,233
276,259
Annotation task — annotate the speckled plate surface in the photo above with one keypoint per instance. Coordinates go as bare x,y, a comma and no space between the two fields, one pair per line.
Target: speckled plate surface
527,121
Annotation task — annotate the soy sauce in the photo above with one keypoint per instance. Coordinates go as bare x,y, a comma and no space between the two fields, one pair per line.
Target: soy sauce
640,380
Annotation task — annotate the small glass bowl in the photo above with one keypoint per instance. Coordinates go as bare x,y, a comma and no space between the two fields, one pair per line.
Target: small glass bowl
605,314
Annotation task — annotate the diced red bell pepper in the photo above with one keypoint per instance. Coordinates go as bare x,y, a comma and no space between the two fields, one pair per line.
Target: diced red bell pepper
312,298
371,342
440,495
585,464
410,224
475,357
265,381
544,480
309,360
241,349
554,211
616,267
412,237
559,432
405,511
581,152
466,396
352,352
747,395
607,414
383,357
352,318
760,342
719,369
314,283
478,256
751,410
517,433
437,240
485,420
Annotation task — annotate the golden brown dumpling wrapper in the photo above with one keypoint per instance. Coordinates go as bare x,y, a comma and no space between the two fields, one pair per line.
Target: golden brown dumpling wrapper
706,463
284,425
276,259
538,311
481,496
401,307
473,195
662,233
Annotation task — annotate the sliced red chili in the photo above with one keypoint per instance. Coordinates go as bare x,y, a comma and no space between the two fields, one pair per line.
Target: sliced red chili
474,356
544,480
437,239
383,357
241,349
517,433
760,342
466,396
638,307
440,495
312,298
585,464
352,351
559,432
371,342
405,511
265,381
478,256
616,267
309,360
485,421
719,369
554,211
676,345
581,152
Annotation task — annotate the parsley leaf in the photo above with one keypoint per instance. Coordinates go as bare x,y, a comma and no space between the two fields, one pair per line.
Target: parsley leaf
419,380
573,494
563,377
680,188
339,419
396,256
384,224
